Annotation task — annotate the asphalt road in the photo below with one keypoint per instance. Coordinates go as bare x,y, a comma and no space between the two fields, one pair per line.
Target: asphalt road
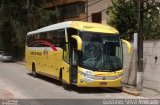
23,86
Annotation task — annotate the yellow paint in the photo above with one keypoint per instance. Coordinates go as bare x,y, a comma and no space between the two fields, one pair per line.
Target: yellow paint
50,64
65,73
79,42
93,27
128,45
96,83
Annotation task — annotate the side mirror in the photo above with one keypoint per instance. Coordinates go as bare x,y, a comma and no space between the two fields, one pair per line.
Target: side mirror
128,45
79,42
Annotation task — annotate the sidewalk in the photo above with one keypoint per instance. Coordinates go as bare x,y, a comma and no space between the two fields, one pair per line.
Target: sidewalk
146,92
20,62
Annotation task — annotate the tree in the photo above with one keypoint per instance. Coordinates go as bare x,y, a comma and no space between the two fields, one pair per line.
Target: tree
123,15
5,25
19,17
152,21
38,16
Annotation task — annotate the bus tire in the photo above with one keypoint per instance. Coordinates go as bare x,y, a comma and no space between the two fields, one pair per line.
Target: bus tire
34,73
120,89
66,86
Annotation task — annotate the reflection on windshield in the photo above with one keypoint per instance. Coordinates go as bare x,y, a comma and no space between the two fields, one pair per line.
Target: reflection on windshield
101,52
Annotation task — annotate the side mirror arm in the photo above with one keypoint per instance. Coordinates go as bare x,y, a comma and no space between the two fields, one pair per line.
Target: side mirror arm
79,42
128,45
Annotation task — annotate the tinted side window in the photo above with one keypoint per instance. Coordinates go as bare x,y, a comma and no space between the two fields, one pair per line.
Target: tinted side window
32,38
57,37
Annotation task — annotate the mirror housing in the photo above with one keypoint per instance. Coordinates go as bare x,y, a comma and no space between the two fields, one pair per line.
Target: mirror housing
128,45
79,42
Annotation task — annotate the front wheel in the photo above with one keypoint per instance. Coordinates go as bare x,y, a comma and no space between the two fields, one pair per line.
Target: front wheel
66,86
120,88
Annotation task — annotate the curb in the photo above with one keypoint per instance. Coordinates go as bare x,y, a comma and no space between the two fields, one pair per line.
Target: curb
131,90
21,63
135,93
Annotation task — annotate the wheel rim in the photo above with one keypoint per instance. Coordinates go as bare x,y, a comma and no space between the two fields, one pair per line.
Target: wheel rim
33,73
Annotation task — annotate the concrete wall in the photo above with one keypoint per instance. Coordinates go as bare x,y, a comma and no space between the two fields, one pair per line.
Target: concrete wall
99,6
151,66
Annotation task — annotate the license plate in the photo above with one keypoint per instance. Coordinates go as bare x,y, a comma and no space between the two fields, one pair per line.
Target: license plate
103,83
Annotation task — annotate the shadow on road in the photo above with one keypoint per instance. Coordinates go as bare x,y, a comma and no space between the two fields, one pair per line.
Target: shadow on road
47,79
90,90
81,90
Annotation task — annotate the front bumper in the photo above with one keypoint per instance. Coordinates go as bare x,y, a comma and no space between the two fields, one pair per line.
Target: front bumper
100,83
99,79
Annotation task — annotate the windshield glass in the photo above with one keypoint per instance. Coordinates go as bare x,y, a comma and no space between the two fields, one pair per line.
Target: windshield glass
101,52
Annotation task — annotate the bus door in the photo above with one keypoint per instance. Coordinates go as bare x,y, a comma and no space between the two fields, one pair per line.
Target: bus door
69,72
73,61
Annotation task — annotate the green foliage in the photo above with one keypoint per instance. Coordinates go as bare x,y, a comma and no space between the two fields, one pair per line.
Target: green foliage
123,15
48,17
152,22
19,17
37,15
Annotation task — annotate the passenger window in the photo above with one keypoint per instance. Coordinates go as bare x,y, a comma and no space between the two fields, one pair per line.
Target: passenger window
60,38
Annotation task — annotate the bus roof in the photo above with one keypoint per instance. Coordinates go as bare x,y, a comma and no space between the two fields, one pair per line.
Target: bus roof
79,25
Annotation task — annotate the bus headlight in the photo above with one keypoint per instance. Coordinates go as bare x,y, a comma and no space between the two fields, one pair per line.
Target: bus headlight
87,73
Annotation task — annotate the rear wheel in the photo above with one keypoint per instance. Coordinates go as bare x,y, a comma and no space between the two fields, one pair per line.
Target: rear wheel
34,74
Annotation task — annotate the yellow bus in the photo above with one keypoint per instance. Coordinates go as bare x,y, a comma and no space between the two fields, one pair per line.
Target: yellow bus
77,53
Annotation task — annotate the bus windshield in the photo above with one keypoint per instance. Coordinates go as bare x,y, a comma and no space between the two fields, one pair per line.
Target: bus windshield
101,52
